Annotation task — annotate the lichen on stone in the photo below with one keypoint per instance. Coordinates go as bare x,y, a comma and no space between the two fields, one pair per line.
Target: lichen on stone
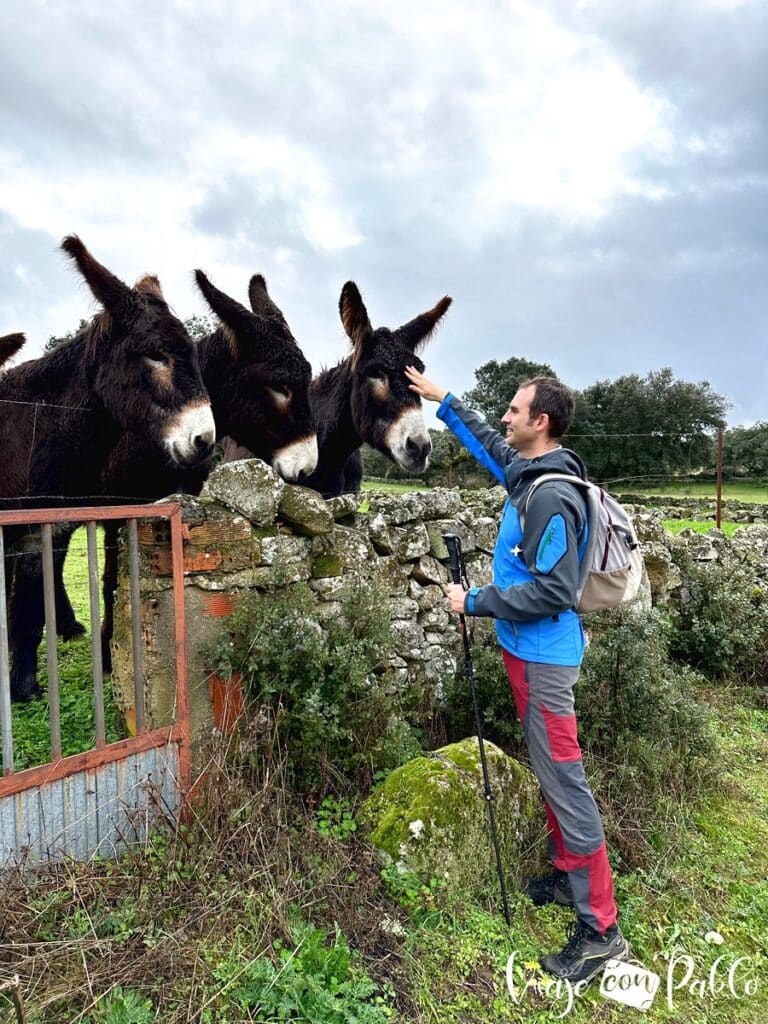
444,794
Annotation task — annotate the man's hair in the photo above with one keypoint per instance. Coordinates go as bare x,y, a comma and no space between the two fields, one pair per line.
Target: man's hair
553,398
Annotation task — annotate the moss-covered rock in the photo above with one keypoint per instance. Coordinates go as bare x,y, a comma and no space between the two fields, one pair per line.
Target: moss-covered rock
250,487
430,815
306,510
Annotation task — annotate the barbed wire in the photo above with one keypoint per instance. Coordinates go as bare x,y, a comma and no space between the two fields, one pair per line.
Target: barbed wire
46,405
653,433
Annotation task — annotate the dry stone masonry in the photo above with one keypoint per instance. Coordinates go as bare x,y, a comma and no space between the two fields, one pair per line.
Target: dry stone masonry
248,529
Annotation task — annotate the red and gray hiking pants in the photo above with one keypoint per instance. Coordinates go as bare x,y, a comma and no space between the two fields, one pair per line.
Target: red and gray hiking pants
544,698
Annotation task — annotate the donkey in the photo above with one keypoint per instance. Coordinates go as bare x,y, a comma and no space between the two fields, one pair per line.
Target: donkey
133,369
366,399
258,381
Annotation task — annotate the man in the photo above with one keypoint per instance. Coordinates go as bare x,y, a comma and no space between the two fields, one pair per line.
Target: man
535,579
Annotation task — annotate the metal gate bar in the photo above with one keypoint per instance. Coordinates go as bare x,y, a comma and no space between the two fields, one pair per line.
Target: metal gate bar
5,676
54,708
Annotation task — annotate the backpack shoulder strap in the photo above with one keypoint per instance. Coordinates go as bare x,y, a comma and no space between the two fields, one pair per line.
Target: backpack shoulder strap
591,493
569,478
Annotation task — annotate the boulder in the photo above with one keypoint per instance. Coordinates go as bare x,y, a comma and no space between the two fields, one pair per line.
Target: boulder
441,503
411,541
305,510
436,530
343,505
408,639
342,550
663,575
396,509
391,576
248,486
428,570
430,816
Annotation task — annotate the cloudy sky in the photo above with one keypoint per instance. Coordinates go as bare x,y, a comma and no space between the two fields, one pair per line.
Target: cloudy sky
588,180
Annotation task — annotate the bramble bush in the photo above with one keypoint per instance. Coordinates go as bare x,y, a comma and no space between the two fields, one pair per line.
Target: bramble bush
321,696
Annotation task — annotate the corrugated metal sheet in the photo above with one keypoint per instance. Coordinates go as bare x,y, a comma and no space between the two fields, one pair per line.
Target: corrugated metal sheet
96,812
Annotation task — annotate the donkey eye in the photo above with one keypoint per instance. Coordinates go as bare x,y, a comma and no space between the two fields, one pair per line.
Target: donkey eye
281,395
157,361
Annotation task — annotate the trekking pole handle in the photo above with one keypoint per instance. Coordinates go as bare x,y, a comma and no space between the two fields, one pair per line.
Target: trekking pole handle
458,572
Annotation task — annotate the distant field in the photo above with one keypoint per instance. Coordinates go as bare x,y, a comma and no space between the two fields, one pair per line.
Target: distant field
735,490
396,486
700,526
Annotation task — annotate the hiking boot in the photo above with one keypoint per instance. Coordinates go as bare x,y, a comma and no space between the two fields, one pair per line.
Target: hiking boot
552,888
585,953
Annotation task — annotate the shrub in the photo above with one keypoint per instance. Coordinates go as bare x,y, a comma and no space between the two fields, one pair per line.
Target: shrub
721,628
646,735
322,696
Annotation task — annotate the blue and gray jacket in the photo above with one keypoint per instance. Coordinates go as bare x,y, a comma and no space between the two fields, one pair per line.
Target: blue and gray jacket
536,570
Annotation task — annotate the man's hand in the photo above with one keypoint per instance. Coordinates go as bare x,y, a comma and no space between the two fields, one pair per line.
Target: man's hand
455,594
424,388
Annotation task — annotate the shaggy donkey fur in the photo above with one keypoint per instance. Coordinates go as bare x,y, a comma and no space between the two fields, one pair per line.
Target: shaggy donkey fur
366,399
134,368
258,382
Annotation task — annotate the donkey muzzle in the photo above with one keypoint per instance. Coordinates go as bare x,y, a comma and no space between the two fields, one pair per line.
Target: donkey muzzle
191,434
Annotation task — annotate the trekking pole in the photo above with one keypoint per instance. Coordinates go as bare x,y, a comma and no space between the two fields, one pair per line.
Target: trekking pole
459,575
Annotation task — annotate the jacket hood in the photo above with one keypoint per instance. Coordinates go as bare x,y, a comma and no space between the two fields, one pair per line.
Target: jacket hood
559,460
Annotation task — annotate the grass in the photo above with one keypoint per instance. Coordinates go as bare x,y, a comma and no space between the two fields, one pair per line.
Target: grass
258,911
733,490
675,526
711,878
30,722
394,486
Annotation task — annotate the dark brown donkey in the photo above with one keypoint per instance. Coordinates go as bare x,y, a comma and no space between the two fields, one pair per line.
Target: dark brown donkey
366,399
133,369
258,381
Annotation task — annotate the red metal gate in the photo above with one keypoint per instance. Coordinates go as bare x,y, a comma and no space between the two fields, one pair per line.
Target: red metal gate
99,801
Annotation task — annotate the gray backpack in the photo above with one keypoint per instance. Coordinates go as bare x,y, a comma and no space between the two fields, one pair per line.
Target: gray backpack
612,565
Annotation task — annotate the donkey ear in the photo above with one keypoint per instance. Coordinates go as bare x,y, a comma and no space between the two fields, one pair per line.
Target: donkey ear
10,345
417,332
261,303
354,315
115,296
233,316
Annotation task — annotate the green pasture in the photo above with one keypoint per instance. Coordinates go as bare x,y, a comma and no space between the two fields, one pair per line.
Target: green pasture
733,490
675,526
31,728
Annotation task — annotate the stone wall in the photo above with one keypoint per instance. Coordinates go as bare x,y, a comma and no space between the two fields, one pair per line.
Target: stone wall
248,528
699,508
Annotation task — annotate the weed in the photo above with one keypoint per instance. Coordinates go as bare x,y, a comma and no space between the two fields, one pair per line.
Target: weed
334,818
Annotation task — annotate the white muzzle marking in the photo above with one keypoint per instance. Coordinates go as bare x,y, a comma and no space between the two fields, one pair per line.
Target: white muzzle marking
409,426
191,433
296,459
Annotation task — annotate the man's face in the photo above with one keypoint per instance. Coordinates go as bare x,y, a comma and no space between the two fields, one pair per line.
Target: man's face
521,431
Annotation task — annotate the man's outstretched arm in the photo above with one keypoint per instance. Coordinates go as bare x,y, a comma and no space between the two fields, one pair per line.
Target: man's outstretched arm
482,441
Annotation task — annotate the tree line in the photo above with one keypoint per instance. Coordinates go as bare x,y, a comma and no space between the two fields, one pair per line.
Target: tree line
629,431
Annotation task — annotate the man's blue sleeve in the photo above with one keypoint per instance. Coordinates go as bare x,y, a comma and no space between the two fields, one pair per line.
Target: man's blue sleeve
483,442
